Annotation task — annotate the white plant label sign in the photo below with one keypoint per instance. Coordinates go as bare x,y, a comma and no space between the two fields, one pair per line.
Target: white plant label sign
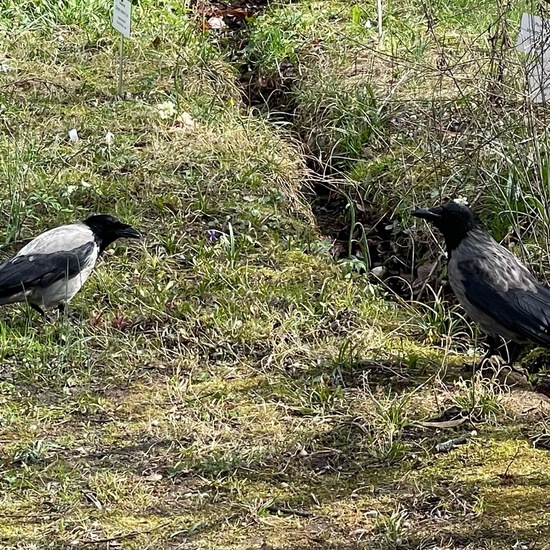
122,17
534,40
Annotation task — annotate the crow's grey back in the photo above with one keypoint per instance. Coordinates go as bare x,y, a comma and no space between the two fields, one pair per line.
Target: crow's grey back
480,255
59,239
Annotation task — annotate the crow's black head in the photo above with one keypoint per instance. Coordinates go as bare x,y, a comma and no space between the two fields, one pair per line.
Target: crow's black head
454,220
108,229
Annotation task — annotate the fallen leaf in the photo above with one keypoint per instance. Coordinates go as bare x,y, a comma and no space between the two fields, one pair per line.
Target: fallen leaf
424,273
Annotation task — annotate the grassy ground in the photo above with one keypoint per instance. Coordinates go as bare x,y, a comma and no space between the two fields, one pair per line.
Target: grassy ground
229,385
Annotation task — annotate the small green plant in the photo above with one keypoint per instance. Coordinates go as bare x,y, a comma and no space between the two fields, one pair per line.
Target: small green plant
36,452
392,527
229,243
389,417
480,395
16,172
346,358
324,394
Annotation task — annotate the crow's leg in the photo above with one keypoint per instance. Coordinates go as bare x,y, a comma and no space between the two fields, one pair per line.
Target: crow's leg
44,315
501,353
40,310
493,344
513,350
63,309
508,350
495,356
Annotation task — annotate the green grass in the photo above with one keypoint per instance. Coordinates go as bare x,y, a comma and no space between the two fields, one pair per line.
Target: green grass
228,384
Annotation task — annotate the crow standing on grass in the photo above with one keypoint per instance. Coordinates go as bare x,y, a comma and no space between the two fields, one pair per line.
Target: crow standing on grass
52,268
494,287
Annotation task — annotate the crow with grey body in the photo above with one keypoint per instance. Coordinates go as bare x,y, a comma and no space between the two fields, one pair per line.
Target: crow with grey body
51,269
497,291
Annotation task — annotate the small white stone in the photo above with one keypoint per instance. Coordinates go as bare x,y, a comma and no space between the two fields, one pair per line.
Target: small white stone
185,119
216,23
461,200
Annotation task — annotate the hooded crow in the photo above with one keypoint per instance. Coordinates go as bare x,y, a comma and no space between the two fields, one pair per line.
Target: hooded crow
51,269
494,287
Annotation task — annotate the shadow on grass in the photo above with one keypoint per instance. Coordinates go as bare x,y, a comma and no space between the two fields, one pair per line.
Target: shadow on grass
328,485
328,492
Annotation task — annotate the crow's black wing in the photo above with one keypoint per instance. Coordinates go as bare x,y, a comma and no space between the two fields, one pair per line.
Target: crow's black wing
521,311
41,270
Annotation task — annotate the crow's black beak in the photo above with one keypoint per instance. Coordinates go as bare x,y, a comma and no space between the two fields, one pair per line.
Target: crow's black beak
429,214
129,233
